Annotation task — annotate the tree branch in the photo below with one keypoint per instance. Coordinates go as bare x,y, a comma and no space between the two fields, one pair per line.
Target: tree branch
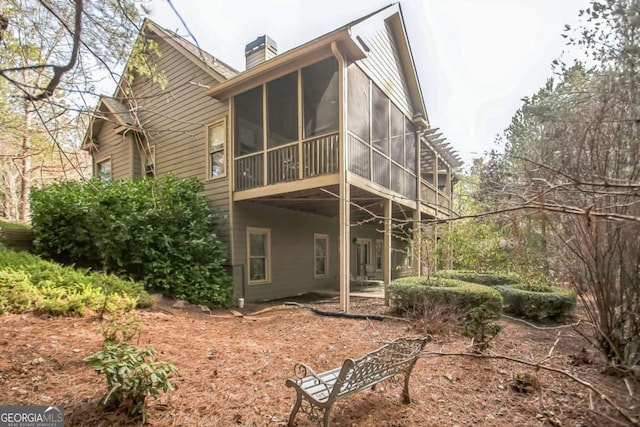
626,415
60,70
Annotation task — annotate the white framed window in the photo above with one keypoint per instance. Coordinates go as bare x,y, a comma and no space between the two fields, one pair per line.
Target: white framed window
216,152
320,255
259,255
103,169
150,162
379,254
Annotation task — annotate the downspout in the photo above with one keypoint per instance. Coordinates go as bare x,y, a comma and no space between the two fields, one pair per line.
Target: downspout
344,192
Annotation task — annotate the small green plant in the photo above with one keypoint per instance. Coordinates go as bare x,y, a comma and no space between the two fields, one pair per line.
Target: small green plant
481,327
121,331
131,373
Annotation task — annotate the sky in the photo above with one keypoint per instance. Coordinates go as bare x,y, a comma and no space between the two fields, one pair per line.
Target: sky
475,59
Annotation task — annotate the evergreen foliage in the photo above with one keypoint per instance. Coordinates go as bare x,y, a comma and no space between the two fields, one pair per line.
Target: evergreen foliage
29,283
163,233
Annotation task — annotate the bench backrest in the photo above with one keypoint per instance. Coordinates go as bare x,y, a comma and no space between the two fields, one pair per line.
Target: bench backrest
391,359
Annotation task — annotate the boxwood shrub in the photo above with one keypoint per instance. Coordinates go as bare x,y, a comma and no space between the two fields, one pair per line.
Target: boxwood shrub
407,293
552,304
489,279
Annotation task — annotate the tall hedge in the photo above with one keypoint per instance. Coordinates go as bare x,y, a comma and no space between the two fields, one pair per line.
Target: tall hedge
162,232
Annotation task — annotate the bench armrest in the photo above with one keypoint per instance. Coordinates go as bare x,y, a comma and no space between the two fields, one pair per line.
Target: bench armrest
301,371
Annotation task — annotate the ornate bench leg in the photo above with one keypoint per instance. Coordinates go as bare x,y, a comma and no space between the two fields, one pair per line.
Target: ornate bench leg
405,393
294,410
326,419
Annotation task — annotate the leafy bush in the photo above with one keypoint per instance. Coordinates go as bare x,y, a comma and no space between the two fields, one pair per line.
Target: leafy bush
407,293
488,279
160,232
523,302
28,282
132,374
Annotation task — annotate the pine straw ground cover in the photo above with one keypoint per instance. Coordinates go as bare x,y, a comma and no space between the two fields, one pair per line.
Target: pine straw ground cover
233,370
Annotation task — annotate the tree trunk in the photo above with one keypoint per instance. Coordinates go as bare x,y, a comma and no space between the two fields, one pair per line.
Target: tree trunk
25,166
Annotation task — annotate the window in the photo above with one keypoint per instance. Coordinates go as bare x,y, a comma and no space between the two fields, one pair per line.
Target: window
216,138
282,110
103,170
320,97
380,131
248,121
379,254
358,103
150,162
259,248
321,255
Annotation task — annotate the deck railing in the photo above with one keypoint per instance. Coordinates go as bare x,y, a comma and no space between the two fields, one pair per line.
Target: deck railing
249,172
433,196
282,164
319,156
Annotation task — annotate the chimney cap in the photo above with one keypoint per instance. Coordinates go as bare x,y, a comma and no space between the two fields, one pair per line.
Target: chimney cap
261,41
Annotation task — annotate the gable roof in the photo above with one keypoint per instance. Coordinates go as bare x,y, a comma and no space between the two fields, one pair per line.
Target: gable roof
107,110
340,35
208,62
110,109
346,37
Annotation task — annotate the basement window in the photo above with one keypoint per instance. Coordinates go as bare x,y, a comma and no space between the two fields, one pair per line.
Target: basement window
259,255
321,255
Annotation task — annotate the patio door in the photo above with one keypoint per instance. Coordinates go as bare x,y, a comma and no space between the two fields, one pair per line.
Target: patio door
363,256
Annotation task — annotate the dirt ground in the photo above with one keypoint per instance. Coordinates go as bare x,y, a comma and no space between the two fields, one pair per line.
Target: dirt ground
233,370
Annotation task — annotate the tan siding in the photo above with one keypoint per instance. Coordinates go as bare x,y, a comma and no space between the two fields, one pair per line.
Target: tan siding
176,120
114,146
136,160
383,65
292,233
292,256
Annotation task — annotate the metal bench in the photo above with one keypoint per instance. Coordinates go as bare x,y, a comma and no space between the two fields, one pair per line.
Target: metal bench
321,391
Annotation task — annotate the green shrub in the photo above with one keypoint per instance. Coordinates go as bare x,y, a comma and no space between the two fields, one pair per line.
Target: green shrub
552,304
160,232
407,294
132,374
488,279
481,327
28,282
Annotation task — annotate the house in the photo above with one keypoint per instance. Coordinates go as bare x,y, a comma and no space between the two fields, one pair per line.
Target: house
322,158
